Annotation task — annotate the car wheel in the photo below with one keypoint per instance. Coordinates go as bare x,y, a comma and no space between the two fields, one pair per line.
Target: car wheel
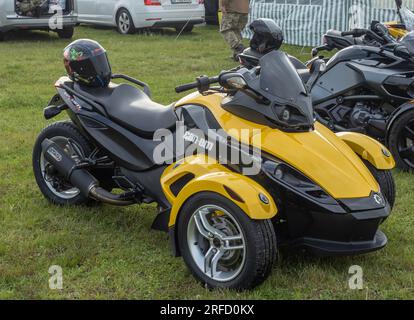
54,187
124,22
401,140
386,182
2,36
186,29
66,33
222,246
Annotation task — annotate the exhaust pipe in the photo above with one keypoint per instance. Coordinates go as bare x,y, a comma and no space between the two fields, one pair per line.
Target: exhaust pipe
80,178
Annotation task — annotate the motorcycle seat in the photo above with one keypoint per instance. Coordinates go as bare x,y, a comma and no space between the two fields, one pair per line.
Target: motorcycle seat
130,107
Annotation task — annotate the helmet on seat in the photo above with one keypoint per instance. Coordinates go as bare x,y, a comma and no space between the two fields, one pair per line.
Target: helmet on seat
86,62
267,35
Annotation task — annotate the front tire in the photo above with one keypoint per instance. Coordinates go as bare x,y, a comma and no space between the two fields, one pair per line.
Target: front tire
124,22
386,182
66,33
186,29
222,246
52,185
401,140
2,35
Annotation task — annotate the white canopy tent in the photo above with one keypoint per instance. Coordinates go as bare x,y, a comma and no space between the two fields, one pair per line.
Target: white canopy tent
305,21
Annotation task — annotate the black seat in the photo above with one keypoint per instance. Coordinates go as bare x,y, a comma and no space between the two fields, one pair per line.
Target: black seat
131,108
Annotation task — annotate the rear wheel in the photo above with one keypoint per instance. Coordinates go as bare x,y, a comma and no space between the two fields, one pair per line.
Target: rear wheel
124,22
222,246
401,140
184,29
385,181
1,36
66,33
54,186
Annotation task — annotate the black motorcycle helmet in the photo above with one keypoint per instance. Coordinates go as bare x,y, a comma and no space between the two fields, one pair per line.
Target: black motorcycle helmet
87,63
267,35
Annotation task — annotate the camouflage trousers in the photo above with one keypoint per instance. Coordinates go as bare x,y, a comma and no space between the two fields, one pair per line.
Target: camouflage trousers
29,5
231,28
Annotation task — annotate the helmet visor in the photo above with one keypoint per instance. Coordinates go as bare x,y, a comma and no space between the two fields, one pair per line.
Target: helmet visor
95,70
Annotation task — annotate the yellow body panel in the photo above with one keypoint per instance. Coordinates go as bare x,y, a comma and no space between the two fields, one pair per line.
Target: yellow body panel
210,176
318,154
395,32
368,149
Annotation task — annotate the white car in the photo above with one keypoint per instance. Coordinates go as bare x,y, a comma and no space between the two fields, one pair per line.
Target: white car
130,15
38,17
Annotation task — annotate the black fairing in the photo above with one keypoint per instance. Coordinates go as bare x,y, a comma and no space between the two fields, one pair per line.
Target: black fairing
285,102
347,54
365,68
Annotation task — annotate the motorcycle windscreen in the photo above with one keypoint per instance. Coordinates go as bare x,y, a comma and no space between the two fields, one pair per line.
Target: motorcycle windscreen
408,42
279,78
407,18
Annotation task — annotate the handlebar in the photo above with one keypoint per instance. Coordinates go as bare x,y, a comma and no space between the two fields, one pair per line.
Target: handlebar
362,32
379,28
186,87
202,84
349,33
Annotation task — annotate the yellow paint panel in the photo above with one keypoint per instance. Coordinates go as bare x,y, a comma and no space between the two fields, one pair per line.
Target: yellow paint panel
319,154
395,32
368,149
210,176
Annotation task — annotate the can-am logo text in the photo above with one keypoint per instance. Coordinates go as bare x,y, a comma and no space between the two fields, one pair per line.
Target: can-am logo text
201,142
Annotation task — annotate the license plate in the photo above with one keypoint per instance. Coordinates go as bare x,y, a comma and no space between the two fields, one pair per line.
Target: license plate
180,1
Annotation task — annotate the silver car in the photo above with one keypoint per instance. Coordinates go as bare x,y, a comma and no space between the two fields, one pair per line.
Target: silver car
55,15
130,15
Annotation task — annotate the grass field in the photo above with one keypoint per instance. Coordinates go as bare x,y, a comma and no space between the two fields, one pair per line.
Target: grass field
111,253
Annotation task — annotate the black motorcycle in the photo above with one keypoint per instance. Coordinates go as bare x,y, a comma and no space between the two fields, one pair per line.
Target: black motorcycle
365,88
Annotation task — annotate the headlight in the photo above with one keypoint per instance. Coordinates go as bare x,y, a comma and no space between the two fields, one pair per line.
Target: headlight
291,117
292,178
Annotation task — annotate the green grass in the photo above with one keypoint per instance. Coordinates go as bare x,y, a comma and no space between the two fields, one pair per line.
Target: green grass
111,253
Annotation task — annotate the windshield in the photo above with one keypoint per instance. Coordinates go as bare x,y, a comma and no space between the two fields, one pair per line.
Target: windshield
407,17
408,42
279,78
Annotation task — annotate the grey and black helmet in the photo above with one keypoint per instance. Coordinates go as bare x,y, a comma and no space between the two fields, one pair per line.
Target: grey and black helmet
267,35
86,62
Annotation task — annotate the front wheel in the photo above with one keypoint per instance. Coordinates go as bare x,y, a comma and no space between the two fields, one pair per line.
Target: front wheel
66,33
222,246
385,181
1,36
184,29
401,140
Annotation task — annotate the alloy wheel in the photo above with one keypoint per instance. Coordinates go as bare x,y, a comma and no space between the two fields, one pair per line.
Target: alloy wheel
124,22
217,243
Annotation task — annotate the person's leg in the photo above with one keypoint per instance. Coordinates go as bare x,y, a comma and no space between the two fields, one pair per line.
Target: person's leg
241,24
229,31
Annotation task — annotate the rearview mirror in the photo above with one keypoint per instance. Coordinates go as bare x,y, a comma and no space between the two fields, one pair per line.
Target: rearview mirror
402,52
399,3
233,80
